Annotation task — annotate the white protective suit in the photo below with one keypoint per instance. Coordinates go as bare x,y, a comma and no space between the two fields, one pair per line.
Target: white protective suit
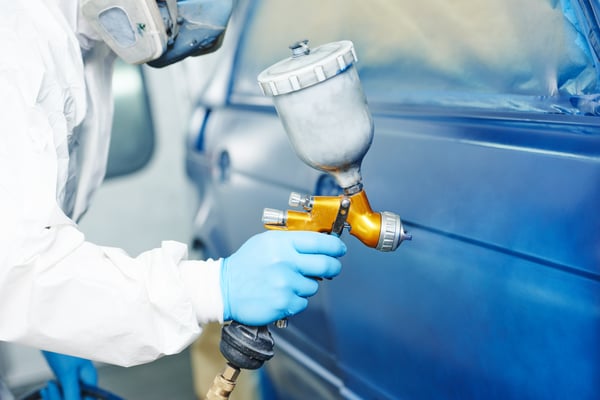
58,291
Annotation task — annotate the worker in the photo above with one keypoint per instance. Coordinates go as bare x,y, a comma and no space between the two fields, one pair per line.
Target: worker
58,291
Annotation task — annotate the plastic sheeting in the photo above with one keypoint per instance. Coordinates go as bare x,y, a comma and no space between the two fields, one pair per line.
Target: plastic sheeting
525,55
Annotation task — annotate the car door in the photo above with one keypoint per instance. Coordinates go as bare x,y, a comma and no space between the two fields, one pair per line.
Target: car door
497,294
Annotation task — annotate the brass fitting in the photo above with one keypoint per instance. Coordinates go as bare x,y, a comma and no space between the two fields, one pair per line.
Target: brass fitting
223,384
330,214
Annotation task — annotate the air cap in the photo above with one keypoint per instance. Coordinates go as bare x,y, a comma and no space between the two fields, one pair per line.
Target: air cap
307,67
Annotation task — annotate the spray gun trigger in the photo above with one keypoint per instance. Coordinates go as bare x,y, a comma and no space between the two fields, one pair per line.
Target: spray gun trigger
342,215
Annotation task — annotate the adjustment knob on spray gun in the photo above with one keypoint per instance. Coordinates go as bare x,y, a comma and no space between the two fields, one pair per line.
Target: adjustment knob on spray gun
321,104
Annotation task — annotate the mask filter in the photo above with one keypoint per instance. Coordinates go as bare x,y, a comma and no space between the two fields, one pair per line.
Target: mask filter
200,28
131,28
117,25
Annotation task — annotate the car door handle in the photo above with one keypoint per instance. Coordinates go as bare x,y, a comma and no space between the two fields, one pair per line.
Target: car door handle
224,166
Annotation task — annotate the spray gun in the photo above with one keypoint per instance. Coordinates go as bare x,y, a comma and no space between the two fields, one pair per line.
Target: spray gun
320,101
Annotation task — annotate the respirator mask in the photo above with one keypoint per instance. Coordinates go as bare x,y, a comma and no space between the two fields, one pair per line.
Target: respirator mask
159,32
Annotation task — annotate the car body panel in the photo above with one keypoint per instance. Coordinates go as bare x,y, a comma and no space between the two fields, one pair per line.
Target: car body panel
499,287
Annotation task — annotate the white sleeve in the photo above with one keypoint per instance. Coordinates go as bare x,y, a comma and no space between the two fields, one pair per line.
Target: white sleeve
99,303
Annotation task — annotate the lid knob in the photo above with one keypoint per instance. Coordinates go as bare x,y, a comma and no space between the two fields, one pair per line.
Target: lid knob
300,48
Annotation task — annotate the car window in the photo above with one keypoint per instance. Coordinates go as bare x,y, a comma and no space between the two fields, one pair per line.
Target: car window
133,136
509,54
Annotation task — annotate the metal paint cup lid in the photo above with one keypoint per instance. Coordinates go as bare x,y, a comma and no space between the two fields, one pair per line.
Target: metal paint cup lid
307,67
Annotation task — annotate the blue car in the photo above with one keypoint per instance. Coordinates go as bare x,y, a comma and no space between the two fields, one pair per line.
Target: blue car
487,144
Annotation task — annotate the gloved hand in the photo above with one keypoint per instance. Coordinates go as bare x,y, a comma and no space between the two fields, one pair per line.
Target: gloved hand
270,276
69,371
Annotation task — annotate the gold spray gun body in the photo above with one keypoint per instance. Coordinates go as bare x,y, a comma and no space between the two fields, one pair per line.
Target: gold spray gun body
331,214
323,109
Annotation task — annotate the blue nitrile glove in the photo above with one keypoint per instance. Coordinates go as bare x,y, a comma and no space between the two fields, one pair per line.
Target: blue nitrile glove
69,371
269,277
51,392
